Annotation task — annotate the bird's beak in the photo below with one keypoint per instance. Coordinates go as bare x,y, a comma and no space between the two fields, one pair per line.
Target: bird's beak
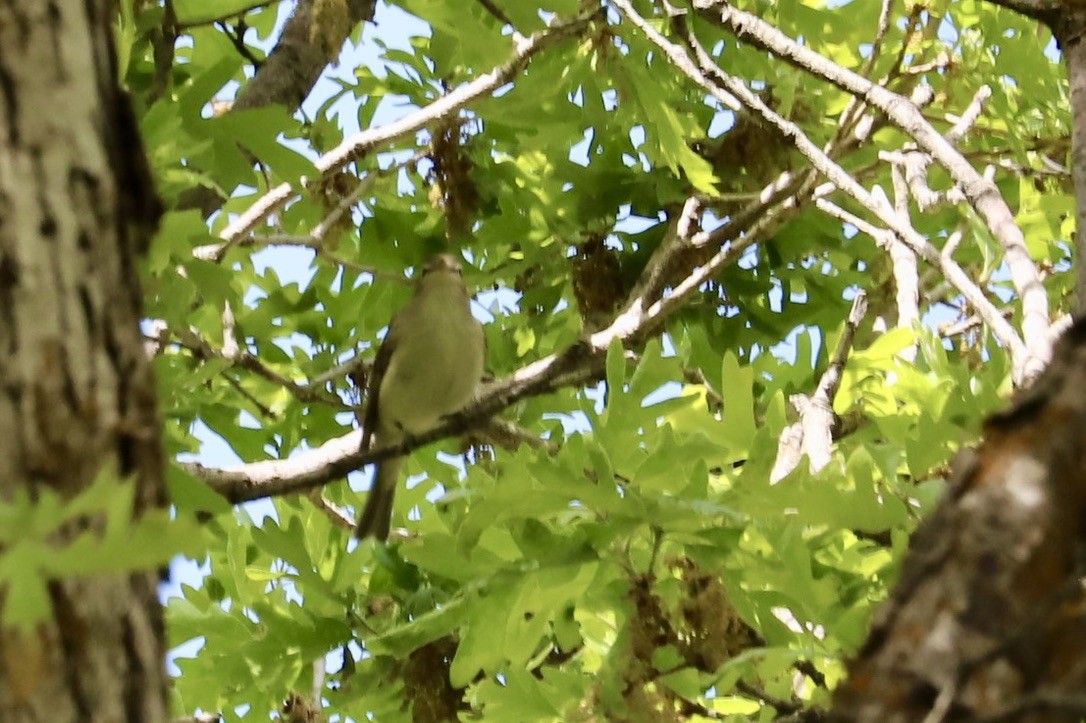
444,262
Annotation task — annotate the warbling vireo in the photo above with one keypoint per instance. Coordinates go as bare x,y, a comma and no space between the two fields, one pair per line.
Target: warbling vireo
427,367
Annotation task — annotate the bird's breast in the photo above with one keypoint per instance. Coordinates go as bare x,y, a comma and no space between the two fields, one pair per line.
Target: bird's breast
433,372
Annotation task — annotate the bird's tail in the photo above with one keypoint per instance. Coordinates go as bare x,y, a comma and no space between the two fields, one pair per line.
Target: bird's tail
376,516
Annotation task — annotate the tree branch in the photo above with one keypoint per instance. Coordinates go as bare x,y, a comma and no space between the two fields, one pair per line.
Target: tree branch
1068,25
365,141
317,238
285,78
980,192
337,457
203,349
709,75
578,364
904,266
813,433
993,575
1043,10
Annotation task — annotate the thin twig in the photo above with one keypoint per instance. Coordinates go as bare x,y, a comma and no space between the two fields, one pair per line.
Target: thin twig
316,238
366,141
498,13
203,349
506,434
970,116
337,515
710,77
981,193
813,433
756,692
904,266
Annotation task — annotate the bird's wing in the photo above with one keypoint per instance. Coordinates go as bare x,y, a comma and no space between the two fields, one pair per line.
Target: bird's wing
373,387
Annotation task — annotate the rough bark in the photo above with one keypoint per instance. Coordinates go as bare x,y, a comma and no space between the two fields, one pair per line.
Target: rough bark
296,62
988,621
285,78
76,392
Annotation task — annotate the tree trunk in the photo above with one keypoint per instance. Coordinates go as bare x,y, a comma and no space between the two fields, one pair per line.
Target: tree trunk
76,392
988,620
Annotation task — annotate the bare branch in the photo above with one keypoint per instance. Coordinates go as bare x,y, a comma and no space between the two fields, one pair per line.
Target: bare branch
857,118
365,141
956,328
831,378
789,452
970,116
980,192
1060,325
914,166
231,350
338,516
904,266
506,434
341,455
210,251
342,369
317,237
710,75
915,163
886,13
813,433
950,269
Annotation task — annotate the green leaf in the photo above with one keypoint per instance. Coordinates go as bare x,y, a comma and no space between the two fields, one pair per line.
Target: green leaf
193,495
27,601
736,388
258,131
426,628
199,12
115,541
668,130
213,280
616,367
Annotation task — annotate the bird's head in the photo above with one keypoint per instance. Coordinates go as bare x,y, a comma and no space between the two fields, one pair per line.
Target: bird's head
442,271
442,263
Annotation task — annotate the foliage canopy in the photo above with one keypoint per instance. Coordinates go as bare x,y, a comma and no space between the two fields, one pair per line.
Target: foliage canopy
638,547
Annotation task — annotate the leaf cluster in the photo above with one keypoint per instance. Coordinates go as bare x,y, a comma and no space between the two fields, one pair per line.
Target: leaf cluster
637,563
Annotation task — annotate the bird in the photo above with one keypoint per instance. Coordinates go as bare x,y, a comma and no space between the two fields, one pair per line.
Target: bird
427,367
